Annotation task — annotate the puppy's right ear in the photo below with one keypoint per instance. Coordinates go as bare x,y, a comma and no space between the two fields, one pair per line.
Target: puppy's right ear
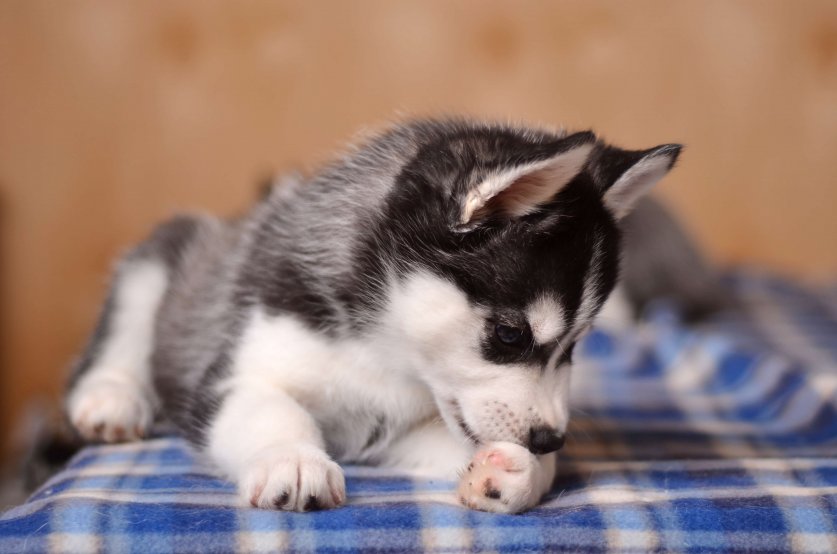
516,191
625,176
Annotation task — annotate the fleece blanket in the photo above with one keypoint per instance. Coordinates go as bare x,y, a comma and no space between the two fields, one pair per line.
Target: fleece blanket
721,438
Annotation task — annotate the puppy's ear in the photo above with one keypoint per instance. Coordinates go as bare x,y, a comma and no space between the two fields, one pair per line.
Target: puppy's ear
625,176
521,190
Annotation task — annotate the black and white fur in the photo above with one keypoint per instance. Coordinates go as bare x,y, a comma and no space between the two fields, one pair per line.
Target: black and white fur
413,305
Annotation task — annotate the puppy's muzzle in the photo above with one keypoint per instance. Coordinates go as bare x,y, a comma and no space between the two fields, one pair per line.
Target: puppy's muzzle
543,440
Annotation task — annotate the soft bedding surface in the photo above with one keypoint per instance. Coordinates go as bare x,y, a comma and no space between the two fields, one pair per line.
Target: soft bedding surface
717,439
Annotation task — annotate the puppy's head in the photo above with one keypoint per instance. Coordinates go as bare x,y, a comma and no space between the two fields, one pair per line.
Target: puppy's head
506,242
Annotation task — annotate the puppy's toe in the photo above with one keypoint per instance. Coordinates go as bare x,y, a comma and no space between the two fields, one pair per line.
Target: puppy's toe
293,477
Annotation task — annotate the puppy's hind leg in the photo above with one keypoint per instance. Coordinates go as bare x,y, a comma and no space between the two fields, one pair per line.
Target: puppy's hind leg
110,395
110,399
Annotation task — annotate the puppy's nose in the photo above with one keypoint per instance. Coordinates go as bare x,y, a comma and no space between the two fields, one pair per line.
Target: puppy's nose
543,440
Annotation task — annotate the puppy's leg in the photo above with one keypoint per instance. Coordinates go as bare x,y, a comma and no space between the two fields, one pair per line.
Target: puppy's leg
506,478
501,477
112,398
272,448
110,393
429,449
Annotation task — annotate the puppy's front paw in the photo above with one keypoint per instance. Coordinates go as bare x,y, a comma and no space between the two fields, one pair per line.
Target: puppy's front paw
295,477
503,477
103,409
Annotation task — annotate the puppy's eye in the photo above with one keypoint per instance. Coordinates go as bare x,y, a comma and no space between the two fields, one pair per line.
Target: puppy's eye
511,336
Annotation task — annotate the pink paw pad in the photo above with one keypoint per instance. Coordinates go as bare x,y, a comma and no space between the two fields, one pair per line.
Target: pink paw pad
495,458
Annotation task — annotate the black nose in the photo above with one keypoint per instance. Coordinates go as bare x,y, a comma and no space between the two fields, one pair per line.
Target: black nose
543,440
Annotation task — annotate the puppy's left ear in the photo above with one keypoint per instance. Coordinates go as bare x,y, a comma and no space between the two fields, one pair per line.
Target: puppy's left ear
626,176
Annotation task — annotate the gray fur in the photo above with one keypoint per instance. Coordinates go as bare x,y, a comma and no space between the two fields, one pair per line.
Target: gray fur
309,224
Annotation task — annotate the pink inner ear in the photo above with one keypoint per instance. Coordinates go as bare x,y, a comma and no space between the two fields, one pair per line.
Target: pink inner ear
522,190
522,197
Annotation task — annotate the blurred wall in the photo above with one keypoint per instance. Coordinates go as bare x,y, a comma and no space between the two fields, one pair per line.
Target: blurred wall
116,114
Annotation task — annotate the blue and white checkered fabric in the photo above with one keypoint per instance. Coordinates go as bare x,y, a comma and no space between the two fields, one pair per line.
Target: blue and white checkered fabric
720,439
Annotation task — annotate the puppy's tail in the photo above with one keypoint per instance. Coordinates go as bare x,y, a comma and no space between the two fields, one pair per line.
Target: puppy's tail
662,261
42,443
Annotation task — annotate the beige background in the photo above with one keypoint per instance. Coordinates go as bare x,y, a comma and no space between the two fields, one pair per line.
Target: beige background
116,114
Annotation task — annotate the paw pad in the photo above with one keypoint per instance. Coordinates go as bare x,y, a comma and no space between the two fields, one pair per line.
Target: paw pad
503,478
490,491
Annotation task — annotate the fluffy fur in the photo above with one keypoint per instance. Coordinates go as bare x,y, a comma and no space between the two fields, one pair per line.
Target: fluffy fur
415,304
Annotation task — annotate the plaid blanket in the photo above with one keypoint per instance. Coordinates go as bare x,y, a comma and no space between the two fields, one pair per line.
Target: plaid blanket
714,439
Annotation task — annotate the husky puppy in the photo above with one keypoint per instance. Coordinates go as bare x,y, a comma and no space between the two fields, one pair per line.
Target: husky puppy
413,305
